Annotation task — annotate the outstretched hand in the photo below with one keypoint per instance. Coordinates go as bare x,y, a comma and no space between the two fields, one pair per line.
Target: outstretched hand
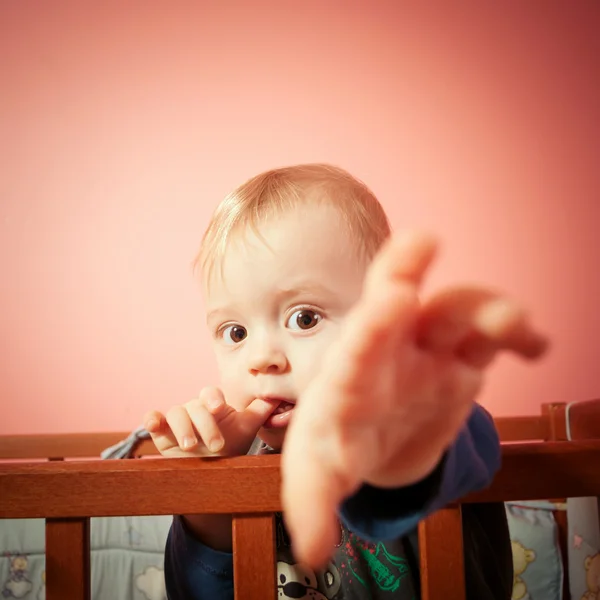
393,391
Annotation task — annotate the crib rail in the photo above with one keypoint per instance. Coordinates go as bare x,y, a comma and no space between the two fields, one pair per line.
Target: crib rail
67,494
548,425
57,446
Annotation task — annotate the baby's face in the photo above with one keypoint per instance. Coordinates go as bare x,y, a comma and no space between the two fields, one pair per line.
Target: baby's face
278,304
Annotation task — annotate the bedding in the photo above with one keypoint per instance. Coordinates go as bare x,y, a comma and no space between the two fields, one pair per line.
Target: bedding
537,561
584,548
126,558
538,565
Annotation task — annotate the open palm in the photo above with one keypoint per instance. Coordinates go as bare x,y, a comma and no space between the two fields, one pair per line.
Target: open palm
393,392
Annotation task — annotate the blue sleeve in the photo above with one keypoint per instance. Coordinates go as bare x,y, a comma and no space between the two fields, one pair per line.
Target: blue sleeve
470,464
194,571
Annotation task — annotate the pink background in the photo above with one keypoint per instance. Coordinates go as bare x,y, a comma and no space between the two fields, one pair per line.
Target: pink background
123,125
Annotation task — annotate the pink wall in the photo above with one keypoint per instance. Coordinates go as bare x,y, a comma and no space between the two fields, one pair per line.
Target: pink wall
122,126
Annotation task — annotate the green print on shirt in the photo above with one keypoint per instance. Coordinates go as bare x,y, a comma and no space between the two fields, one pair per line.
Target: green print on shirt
387,578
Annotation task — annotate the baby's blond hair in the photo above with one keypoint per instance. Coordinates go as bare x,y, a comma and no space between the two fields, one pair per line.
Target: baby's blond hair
277,190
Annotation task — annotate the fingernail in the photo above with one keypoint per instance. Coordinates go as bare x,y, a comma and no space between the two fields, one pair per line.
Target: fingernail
499,310
151,424
499,316
188,442
216,445
214,403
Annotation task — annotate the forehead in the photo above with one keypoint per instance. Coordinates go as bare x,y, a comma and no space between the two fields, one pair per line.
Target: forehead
307,244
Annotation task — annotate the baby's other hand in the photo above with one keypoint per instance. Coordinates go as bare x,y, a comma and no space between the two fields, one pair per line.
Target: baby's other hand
207,426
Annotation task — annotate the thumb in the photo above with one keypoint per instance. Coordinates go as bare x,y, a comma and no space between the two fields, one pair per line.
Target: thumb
255,415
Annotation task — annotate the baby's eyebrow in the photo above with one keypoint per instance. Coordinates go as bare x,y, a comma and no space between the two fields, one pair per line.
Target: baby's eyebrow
212,315
282,294
303,288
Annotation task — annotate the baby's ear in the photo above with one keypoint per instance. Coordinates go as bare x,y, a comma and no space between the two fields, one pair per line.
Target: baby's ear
588,562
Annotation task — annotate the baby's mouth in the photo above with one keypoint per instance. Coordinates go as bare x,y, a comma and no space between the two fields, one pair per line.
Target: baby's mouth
281,416
283,407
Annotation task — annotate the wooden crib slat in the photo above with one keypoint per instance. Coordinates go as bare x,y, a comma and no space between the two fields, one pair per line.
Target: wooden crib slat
254,558
560,518
584,424
68,559
558,426
441,556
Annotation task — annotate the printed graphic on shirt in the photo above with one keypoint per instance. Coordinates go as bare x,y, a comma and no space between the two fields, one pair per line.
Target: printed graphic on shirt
385,570
358,570
298,581
295,580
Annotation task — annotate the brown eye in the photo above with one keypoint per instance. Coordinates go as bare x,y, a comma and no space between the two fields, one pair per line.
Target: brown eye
234,334
304,319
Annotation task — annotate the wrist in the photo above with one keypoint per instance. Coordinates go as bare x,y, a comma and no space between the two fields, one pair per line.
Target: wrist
407,468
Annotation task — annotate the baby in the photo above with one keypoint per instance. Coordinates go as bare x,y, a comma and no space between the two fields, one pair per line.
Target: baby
328,354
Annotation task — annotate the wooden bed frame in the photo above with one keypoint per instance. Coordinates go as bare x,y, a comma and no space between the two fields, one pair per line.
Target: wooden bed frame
68,492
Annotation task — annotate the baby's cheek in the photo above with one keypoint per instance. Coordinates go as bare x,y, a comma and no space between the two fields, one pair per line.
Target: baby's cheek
231,382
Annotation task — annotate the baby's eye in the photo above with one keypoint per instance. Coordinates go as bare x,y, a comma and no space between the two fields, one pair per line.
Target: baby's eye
234,334
303,319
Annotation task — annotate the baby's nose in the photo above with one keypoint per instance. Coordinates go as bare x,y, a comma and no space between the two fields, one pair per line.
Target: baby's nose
269,360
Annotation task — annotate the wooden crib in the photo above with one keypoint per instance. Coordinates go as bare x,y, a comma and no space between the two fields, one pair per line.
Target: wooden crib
68,492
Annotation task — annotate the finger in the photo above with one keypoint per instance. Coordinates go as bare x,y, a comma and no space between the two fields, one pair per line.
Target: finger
211,409
182,427
213,399
255,415
451,316
386,312
206,426
160,432
153,420
311,495
404,257
373,332
448,317
477,351
508,325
